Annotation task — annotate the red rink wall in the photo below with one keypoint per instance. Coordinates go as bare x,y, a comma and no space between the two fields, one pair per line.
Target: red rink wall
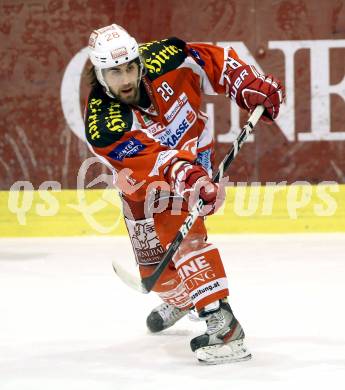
301,42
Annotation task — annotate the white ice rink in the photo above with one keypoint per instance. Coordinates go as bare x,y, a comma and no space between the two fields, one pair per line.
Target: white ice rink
67,322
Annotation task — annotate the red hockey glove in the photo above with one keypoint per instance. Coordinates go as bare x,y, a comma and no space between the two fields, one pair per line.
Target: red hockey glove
250,89
191,182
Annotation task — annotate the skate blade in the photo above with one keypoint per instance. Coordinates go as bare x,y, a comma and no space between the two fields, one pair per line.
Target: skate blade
222,354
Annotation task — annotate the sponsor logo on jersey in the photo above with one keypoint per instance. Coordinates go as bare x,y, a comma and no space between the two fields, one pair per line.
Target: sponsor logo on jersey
126,149
175,108
94,110
194,266
148,121
162,158
151,110
155,129
156,59
205,289
114,120
183,121
144,238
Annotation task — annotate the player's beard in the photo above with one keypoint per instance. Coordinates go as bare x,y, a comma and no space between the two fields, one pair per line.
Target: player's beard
129,94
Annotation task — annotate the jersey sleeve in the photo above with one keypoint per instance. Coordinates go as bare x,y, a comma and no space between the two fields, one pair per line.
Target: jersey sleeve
114,135
213,66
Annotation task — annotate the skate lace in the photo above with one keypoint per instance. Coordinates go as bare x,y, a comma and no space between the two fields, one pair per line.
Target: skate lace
215,322
194,316
169,312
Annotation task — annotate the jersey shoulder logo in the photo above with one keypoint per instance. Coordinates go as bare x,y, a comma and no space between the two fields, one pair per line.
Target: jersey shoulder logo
160,57
127,149
106,119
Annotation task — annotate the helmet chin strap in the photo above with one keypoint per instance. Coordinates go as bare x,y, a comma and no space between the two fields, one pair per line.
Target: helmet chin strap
142,72
100,78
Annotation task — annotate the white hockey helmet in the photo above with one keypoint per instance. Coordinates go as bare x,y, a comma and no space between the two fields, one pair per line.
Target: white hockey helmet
111,46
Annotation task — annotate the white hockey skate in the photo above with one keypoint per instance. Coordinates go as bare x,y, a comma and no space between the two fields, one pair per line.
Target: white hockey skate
164,316
223,340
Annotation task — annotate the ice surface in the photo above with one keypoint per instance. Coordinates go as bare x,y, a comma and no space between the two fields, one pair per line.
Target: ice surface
67,322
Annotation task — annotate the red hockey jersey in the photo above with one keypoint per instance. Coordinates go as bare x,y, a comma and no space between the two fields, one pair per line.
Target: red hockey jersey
147,140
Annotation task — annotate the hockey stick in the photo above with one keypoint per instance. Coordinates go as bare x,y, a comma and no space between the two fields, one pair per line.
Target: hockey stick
146,284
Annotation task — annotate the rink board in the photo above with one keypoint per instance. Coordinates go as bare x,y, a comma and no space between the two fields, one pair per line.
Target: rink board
248,209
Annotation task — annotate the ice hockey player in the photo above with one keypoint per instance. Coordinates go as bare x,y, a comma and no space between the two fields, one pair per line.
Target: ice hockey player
143,120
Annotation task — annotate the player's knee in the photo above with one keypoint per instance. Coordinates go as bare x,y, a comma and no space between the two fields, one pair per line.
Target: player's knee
191,243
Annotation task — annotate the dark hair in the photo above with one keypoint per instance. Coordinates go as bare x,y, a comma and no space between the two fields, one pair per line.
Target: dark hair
91,76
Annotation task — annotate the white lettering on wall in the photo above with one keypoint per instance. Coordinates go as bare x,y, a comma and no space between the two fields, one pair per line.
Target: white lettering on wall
320,88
